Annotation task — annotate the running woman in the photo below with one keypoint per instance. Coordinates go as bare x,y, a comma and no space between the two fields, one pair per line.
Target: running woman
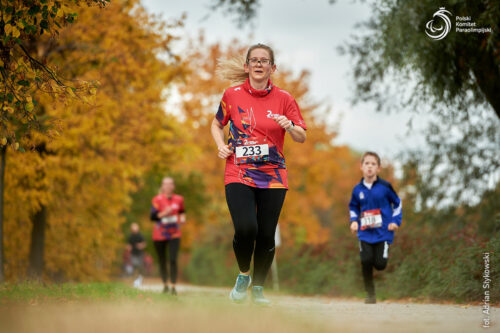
376,213
168,213
259,114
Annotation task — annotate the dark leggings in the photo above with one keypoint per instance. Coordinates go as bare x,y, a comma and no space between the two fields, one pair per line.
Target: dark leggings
173,250
372,255
255,214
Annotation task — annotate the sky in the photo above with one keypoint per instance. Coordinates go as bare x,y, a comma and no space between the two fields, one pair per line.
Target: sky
305,35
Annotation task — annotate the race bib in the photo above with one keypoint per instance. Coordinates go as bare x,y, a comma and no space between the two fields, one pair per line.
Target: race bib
251,150
371,219
169,219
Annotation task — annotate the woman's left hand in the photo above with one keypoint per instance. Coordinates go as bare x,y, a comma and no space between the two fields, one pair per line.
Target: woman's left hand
284,122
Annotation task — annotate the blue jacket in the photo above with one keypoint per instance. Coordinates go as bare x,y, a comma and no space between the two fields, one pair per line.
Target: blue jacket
381,196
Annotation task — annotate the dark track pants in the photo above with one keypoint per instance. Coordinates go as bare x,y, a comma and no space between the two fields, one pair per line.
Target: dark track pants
255,214
372,255
173,250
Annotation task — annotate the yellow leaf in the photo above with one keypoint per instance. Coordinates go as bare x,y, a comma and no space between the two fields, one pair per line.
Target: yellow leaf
16,145
15,32
1,63
4,141
29,107
7,29
31,75
70,91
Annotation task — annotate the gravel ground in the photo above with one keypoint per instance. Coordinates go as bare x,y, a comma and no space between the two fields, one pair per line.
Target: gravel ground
200,309
347,315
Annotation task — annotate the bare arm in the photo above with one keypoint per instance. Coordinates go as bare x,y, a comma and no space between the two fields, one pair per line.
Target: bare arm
167,211
218,135
297,133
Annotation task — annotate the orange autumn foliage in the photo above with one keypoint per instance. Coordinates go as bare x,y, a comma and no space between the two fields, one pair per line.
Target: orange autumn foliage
101,148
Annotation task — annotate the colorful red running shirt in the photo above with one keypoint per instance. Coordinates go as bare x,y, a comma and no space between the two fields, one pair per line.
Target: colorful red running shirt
256,139
167,227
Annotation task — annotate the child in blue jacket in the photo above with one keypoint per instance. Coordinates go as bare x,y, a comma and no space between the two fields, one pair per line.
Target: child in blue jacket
376,213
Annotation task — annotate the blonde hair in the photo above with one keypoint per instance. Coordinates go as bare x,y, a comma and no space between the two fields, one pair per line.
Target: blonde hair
232,69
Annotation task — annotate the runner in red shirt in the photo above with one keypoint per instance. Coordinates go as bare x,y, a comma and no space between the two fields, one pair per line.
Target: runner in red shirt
168,213
259,114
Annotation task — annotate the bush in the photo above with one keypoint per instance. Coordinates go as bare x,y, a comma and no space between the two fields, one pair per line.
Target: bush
212,261
421,265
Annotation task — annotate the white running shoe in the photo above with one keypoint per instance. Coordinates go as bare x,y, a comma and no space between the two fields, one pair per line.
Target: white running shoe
258,296
239,292
138,282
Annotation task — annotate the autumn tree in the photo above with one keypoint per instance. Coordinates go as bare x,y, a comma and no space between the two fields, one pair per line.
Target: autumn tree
23,72
77,185
454,80
22,23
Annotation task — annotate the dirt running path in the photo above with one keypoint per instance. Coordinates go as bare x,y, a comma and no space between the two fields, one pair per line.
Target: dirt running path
206,310
344,315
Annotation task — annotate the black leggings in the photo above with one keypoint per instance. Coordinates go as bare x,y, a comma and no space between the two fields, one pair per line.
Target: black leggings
255,214
372,255
173,250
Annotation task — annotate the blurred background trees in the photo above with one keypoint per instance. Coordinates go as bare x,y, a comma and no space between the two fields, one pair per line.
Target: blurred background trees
23,75
135,112
66,194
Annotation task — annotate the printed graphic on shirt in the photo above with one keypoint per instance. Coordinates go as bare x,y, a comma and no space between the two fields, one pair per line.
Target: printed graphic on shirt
254,136
255,172
168,226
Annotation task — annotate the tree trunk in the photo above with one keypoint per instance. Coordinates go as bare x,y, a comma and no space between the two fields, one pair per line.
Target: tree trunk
3,151
487,73
35,268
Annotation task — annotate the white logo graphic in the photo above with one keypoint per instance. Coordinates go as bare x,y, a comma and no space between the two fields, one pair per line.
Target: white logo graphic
438,32
361,195
270,114
247,142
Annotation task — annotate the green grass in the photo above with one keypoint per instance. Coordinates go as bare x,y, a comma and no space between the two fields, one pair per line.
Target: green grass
41,292
117,307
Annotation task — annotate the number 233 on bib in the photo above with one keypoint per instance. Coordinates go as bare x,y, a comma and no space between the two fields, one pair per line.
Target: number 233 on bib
251,150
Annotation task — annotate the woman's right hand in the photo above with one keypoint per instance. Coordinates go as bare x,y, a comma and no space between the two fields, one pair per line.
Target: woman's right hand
224,151
165,212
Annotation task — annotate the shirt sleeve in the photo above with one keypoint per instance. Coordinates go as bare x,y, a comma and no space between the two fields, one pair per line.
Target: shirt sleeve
397,206
153,214
222,114
182,209
354,208
292,112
